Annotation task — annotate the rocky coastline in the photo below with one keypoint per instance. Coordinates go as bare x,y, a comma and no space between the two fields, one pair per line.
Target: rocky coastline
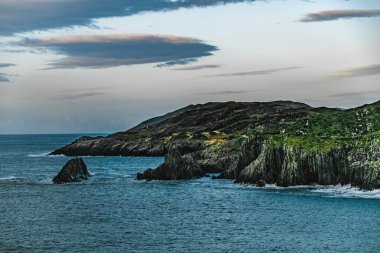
281,142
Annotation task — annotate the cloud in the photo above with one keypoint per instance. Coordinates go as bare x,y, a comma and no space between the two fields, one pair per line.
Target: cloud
255,72
27,15
76,96
357,94
229,92
367,70
100,51
199,67
339,14
5,65
3,78
176,62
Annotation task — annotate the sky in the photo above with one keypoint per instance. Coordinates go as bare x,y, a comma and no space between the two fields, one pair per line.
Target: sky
93,66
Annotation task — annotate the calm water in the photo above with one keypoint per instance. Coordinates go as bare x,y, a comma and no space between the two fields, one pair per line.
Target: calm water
112,212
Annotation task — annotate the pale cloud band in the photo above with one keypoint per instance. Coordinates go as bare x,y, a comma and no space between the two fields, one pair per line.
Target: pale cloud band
199,67
339,14
5,65
77,96
230,92
255,72
101,51
4,77
367,70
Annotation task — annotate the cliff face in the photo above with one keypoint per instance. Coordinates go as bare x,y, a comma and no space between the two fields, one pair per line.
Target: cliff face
289,165
279,142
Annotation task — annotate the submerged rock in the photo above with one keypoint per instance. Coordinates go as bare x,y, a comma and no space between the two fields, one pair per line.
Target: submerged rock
175,167
74,170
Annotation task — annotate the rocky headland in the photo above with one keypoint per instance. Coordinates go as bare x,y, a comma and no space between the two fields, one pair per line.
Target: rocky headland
282,142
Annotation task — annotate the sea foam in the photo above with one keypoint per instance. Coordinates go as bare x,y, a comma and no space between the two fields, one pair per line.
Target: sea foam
7,178
346,191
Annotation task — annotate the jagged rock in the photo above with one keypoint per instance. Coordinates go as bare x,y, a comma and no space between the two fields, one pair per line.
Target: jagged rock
74,170
175,167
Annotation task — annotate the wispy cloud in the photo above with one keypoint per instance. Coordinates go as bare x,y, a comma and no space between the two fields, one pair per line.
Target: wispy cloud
356,94
5,65
229,92
339,14
367,70
255,72
199,67
27,15
3,78
101,51
175,62
77,96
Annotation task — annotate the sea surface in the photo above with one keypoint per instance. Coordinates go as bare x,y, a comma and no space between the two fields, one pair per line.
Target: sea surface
113,212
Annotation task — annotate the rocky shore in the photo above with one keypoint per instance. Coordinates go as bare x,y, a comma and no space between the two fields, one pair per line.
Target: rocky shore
281,142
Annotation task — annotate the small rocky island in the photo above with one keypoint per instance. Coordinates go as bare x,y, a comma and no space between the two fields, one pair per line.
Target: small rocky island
74,170
281,142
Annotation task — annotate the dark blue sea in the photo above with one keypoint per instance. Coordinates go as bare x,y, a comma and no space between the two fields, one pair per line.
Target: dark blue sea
112,212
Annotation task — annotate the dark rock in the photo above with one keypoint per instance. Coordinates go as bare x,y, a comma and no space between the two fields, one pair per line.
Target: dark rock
74,170
260,183
290,166
175,167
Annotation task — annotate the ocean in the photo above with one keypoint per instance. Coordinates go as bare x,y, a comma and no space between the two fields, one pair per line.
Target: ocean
113,212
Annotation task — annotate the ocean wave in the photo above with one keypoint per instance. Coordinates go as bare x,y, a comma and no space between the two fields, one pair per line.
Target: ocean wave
7,178
38,154
45,181
346,191
332,191
44,154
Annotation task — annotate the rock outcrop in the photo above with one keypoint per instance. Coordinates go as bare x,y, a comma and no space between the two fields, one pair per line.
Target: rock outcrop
175,167
291,165
74,170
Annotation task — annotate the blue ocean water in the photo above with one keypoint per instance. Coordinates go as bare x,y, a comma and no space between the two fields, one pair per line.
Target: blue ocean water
112,212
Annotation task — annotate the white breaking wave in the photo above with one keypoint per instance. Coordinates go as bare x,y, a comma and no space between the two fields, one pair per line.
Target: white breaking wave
347,191
7,178
332,191
38,155
44,154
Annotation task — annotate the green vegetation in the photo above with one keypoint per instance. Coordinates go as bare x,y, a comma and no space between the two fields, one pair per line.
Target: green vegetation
325,132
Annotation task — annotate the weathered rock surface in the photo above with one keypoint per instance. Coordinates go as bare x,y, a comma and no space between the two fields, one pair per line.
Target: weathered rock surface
175,167
74,170
289,166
